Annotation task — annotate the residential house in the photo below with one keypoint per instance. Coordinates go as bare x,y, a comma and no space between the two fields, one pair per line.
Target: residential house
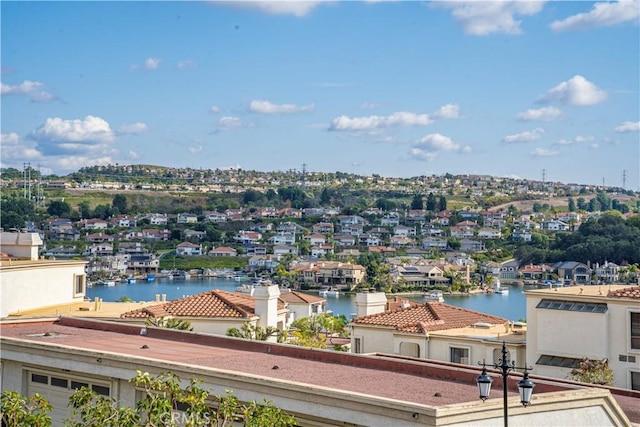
434,243
535,273
315,239
143,263
245,237
370,240
418,276
29,282
442,218
489,233
353,229
470,245
555,225
124,221
399,241
93,224
194,234
401,230
188,249
155,234
215,311
282,239
432,230
461,232
187,218
263,262
383,250
99,238
289,227
321,251
132,248
158,219
608,272
264,227
99,250
391,219
352,220
280,250
566,325
432,330
223,251
216,217
255,249
573,272
339,273
345,254
523,235
301,305
61,252
322,228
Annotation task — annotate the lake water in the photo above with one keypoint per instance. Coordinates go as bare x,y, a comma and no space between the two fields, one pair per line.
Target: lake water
511,306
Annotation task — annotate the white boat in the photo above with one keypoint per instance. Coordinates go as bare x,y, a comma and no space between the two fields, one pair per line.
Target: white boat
327,291
131,280
497,289
434,296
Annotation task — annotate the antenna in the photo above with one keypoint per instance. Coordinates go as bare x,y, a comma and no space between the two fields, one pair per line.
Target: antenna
544,175
624,179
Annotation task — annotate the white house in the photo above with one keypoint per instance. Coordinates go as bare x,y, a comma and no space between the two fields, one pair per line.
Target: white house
283,239
188,249
28,282
568,324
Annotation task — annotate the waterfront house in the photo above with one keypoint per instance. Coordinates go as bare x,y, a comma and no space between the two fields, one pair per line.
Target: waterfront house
223,251
573,272
188,249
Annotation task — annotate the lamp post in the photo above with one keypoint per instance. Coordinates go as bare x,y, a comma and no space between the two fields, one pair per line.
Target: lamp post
525,385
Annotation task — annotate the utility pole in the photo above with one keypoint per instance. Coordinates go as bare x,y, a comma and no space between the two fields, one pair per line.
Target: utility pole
544,175
624,179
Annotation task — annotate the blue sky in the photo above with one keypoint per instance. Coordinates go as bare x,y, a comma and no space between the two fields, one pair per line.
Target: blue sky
510,88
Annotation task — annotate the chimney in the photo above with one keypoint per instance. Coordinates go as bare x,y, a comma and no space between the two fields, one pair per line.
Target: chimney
266,302
370,303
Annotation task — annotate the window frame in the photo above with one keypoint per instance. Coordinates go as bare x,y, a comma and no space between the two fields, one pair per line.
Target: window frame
633,372
79,279
464,348
630,337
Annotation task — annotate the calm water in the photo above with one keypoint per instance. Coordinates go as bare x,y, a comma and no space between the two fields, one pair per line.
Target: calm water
512,306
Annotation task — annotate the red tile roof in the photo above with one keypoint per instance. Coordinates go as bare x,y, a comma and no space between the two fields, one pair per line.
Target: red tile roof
295,297
632,292
214,303
428,317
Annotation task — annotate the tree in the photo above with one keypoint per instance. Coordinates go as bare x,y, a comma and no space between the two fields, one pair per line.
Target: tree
431,202
168,323
59,208
119,202
572,205
167,403
417,203
18,410
442,203
250,331
593,372
314,331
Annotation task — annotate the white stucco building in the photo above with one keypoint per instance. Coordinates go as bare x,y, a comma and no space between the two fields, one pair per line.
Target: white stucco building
568,324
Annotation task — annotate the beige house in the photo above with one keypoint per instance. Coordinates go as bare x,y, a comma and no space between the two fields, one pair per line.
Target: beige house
432,330
27,282
596,322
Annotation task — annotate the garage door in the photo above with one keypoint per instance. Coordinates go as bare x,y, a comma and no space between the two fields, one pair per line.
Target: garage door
58,387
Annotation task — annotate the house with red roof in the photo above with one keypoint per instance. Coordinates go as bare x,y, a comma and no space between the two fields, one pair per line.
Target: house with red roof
432,330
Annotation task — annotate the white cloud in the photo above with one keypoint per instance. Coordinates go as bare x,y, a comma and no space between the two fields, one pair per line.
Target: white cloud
266,107
429,146
278,7
398,119
575,91
132,155
186,64
151,63
229,122
196,149
628,127
601,15
420,154
540,114
214,109
14,151
486,17
133,128
577,140
89,129
449,111
526,136
369,105
544,152
33,90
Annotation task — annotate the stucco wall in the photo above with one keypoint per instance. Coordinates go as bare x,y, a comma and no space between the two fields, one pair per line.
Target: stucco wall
39,285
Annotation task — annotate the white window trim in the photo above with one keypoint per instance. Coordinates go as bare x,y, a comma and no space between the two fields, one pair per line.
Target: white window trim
628,331
83,277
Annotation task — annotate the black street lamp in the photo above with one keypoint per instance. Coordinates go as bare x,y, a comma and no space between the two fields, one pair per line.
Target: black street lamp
525,385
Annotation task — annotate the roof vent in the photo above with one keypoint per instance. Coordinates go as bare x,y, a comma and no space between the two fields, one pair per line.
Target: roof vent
482,325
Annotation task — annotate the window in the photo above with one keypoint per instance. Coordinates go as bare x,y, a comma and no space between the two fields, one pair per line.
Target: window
42,379
497,355
79,285
635,380
635,330
552,304
459,355
357,343
561,362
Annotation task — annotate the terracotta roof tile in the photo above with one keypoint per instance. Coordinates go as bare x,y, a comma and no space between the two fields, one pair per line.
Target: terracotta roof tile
214,303
632,292
428,317
295,297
